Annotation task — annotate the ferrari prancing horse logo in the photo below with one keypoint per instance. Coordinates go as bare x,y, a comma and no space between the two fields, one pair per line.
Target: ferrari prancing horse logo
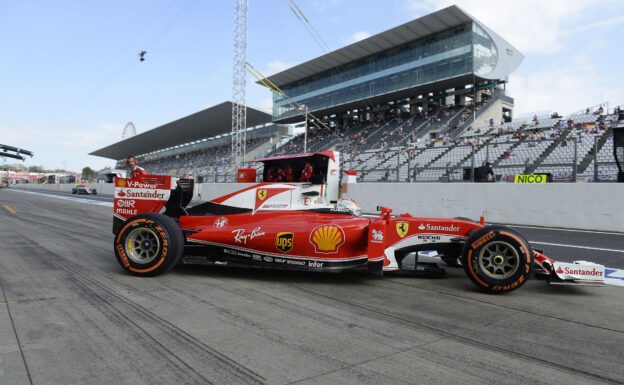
262,194
402,228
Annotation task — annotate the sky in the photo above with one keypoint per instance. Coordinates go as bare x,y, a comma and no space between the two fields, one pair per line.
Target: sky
70,75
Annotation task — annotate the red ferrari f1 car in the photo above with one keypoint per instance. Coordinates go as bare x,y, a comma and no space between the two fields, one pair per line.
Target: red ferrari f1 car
306,226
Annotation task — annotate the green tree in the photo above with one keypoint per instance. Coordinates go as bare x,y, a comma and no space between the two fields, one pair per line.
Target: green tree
87,172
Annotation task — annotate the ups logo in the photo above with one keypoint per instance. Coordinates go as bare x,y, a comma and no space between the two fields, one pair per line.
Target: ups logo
284,242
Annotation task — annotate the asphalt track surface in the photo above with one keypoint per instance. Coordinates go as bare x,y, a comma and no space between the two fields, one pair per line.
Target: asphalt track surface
69,314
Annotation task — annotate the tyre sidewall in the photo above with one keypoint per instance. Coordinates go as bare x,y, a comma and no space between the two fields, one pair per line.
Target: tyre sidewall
481,239
169,250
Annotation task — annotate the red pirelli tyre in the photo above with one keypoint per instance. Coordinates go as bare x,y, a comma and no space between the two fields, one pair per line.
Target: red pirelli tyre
497,259
149,244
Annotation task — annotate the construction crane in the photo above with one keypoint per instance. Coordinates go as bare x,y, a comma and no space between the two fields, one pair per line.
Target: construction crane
239,83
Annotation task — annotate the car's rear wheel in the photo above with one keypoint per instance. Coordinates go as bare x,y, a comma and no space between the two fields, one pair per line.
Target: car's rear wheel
149,244
497,259
94,192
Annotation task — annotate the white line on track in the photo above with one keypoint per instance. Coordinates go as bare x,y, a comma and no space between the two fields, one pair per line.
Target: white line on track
570,230
577,246
75,199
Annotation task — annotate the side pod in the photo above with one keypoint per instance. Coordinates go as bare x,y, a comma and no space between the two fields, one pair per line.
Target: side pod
376,247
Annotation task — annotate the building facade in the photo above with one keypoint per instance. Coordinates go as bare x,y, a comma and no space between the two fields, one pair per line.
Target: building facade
445,50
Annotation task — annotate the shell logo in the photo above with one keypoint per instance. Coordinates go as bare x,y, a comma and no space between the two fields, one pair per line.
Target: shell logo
327,239
122,182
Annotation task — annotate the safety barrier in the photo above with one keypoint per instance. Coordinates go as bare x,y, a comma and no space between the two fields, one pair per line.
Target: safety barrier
595,206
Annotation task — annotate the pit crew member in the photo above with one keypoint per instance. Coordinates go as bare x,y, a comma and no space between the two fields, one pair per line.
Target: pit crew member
135,170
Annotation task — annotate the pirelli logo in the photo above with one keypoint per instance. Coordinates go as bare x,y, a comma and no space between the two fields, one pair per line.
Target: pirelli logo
482,240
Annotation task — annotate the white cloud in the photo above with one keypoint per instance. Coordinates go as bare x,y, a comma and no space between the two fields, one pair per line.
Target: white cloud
561,88
359,35
529,25
598,24
274,67
325,5
266,104
52,149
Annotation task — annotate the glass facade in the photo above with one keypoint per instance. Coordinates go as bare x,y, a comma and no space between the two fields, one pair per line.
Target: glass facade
455,52
485,53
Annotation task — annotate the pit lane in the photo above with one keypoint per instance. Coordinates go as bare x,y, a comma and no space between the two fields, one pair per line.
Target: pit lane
71,315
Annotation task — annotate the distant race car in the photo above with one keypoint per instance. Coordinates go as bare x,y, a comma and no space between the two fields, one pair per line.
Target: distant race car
305,226
84,190
4,184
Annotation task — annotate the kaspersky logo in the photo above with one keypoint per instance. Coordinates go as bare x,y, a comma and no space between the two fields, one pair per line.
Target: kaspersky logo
327,239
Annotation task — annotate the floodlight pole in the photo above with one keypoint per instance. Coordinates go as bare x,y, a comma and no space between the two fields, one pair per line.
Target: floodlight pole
303,108
239,83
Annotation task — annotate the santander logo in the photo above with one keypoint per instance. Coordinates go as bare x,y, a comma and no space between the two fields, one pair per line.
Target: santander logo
592,272
576,270
121,193
430,227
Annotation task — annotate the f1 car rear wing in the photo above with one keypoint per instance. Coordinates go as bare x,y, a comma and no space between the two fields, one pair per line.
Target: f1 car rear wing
150,194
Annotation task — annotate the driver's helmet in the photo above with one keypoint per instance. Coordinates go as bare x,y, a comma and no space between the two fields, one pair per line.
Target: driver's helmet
349,205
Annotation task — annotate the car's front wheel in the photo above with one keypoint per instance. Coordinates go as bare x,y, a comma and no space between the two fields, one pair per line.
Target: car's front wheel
497,259
149,244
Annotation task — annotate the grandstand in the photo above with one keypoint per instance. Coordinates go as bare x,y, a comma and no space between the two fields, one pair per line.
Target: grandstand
563,147
198,144
422,102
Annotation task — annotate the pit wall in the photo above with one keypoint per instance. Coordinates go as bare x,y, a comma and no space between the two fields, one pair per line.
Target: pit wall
591,206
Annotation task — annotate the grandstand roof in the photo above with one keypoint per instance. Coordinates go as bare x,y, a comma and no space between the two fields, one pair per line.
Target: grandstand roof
435,22
213,121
